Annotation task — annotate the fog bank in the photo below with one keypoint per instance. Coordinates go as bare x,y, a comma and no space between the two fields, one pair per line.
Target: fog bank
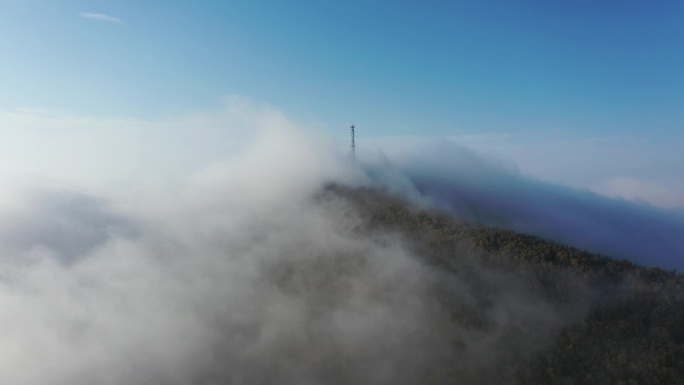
456,179
243,274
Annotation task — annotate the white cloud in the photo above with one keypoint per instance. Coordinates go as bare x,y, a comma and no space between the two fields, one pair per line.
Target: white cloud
69,146
598,164
100,17
39,144
667,194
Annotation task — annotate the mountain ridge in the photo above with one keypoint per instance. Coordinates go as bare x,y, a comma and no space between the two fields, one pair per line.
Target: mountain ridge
631,330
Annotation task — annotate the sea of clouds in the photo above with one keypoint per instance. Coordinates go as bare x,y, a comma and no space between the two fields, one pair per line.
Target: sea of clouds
200,266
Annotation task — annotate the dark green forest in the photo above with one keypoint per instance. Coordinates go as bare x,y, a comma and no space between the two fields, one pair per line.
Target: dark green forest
625,323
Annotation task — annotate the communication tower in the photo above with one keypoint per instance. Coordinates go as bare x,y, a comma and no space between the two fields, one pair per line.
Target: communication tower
353,144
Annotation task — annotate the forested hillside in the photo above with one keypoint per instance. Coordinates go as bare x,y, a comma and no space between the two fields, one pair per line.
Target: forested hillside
625,323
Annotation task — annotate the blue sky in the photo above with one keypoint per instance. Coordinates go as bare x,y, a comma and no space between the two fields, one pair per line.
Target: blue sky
529,82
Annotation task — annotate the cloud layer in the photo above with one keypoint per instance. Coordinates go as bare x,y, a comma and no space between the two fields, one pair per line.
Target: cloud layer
456,179
241,274
120,154
638,167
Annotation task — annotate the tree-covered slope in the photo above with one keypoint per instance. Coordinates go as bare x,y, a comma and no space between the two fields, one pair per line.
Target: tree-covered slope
625,323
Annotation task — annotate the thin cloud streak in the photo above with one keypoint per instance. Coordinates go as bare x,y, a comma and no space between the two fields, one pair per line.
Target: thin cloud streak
101,17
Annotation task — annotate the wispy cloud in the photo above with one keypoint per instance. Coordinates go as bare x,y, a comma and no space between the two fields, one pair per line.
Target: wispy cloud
100,17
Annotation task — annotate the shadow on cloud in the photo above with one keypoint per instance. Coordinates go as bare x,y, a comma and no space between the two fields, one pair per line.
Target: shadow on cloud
455,179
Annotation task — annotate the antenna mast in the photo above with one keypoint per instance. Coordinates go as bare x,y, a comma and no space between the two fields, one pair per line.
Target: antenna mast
353,145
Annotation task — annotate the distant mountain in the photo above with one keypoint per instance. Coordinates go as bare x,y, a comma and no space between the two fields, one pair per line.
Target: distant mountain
524,310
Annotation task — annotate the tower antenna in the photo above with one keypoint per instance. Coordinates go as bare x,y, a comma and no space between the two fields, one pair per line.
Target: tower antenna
353,144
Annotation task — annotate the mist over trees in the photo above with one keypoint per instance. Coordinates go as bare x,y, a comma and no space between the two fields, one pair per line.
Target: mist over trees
334,285
626,320
253,270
